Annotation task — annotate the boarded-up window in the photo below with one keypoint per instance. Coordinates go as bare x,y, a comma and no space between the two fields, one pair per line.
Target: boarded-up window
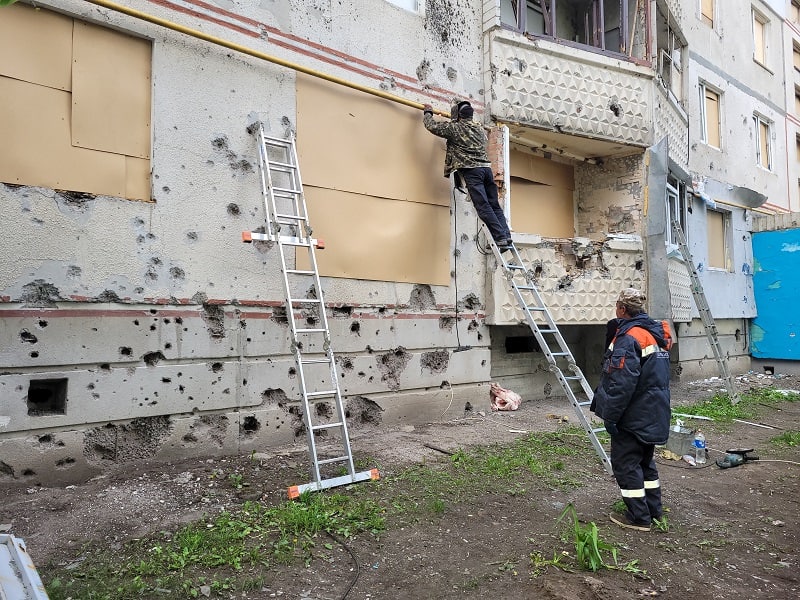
794,13
797,102
716,223
541,196
797,146
373,181
759,39
707,12
763,145
76,105
710,117
796,57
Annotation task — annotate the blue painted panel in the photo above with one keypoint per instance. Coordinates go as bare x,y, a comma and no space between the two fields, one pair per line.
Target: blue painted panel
775,333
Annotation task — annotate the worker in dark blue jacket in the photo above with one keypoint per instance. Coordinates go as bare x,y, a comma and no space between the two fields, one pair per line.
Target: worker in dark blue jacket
633,401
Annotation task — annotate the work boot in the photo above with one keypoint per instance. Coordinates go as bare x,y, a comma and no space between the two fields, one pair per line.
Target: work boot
628,523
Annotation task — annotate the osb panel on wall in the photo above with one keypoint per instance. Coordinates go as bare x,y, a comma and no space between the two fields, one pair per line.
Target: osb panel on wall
542,209
378,239
36,46
110,91
36,148
137,178
541,170
352,141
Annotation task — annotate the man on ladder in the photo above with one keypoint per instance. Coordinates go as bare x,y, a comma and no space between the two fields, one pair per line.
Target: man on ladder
634,402
466,155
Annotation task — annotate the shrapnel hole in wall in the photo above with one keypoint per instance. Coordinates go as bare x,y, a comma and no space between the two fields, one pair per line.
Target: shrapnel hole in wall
47,397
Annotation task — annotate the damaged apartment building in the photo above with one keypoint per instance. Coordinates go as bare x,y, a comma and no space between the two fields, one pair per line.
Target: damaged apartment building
136,324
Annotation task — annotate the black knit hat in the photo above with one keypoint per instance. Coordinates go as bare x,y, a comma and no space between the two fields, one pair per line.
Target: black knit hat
465,110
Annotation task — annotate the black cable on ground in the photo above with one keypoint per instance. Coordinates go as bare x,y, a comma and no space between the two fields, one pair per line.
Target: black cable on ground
342,543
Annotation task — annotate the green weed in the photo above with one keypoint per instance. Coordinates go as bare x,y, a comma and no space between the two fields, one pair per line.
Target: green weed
589,548
789,439
720,409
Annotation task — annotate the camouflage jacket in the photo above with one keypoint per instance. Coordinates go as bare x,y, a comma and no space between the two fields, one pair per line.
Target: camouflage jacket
466,143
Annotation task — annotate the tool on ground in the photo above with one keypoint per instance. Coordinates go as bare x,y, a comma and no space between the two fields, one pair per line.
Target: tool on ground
705,313
554,347
735,457
286,213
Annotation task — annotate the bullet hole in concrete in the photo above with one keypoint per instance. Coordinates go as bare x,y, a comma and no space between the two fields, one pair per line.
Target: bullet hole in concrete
40,294
137,440
153,311
27,336
226,391
292,371
125,351
140,239
165,380
216,367
424,70
355,327
381,310
47,397
323,410
435,362
244,381
311,321
77,199
447,323
274,397
639,265
342,311
136,322
214,316
250,425
65,462
108,296
190,437
279,315
105,367
369,349
297,424
43,324
192,235
34,354
221,144
737,335
362,411
177,273
151,359
483,363
167,346
391,365
233,209
470,302
564,282
548,390
6,470
181,389
345,363
421,298
28,473
46,439
153,328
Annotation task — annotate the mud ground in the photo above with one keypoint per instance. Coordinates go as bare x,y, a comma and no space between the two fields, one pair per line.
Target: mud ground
733,533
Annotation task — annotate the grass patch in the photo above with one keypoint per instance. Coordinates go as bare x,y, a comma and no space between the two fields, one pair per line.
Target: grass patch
788,439
720,409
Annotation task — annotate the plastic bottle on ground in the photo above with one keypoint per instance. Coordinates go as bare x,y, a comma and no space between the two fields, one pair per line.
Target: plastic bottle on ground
699,448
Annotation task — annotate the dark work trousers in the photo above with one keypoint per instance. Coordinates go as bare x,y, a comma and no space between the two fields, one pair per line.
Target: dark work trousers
637,477
483,192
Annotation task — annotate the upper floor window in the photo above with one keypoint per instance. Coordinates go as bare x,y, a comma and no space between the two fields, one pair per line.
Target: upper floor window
604,24
796,56
709,116
412,5
797,102
676,208
718,229
763,146
794,12
759,38
707,12
671,51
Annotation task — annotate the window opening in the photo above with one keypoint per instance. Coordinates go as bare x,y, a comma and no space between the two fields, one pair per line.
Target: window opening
709,115
47,397
670,47
763,146
707,12
676,208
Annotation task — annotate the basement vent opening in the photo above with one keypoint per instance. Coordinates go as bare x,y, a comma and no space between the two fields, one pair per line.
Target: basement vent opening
47,397
522,343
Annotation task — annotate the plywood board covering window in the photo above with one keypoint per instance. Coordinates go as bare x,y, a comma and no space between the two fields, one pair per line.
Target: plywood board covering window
794,13
796,57
759,40
76,105
717,245
707,12
541,196
711,117
763,135
374,185
797,148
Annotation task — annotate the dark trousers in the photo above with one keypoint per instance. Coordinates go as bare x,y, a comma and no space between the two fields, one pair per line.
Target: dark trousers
637,477
483,192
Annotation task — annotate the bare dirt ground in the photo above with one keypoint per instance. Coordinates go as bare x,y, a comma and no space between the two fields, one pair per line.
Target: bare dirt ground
733,532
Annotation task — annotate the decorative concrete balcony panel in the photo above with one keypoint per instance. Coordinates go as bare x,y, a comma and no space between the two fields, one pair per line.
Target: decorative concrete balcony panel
559,88
579,280
671,121
680,289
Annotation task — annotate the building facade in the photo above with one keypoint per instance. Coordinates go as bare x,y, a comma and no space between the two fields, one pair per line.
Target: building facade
134,322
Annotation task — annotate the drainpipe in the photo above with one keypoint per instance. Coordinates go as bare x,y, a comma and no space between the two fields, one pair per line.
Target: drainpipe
256,54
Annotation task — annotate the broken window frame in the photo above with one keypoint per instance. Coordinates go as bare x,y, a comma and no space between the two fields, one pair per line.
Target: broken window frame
763,135
704,117
593,34
671,54
676,208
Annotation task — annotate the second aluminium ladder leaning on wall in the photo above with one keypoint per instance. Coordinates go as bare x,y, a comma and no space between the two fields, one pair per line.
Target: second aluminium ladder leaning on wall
288,226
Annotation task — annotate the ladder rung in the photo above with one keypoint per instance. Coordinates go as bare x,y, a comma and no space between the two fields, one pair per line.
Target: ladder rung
305,300
573,377
325,394
299,272
292,217
338,459
517,267
326,426
584,403
598,430
536,308
311,361
278,165
287,190
310,330
560,353
526,287
548,330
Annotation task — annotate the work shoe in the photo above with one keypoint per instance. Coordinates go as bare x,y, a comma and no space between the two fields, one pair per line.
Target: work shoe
628,523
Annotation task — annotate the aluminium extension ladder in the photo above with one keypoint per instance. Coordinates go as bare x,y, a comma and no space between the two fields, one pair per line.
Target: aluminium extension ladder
544,328
285,212
705,313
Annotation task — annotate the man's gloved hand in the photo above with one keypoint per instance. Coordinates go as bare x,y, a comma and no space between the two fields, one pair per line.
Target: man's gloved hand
427,108
611,427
